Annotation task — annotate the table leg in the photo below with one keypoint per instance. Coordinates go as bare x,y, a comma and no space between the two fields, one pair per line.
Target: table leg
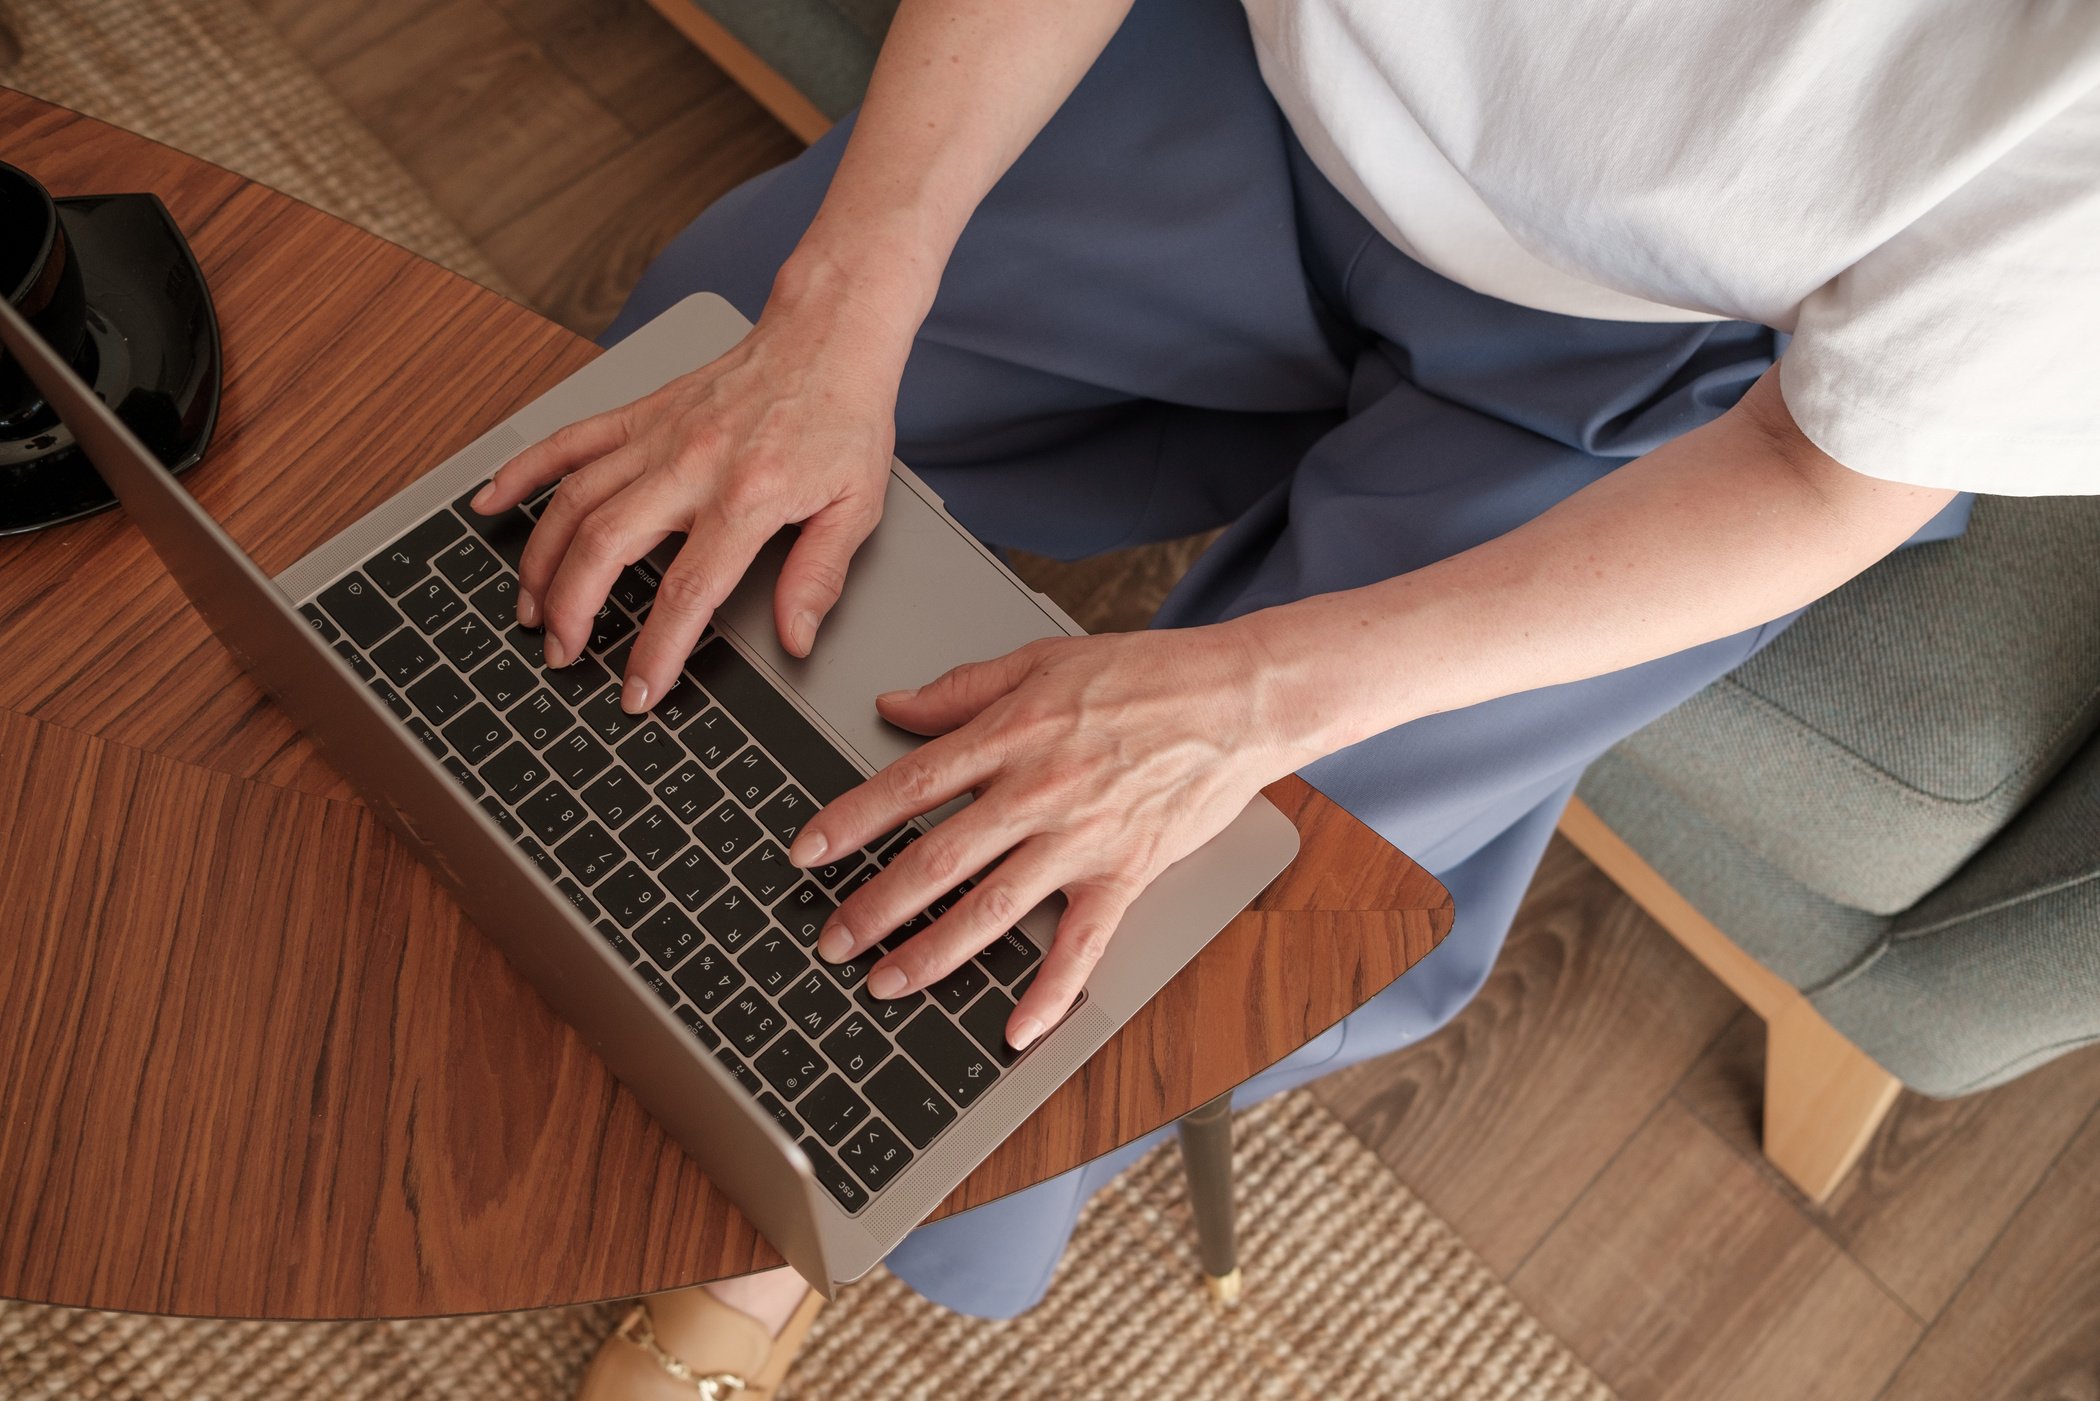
1206,1156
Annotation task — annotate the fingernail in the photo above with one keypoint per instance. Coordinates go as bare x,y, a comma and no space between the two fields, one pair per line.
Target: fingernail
835,945
634,695
557,654
1024,1033
528,610
806,850
886,982
804,626
892,697
483,496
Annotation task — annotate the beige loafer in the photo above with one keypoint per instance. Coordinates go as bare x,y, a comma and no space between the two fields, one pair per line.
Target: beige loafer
690,1346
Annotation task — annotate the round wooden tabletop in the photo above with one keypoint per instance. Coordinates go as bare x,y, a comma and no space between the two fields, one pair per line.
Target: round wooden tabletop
253,1063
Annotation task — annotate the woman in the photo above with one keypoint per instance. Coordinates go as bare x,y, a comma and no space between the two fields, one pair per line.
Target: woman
1542,361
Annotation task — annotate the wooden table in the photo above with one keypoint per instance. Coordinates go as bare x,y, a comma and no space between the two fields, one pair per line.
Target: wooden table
252,1061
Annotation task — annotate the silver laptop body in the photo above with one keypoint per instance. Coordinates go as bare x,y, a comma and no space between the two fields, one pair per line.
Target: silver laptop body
923,596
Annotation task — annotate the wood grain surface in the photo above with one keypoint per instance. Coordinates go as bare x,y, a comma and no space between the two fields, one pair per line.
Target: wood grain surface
252,1062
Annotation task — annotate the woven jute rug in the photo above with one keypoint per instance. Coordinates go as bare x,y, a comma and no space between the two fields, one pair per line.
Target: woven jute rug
1355,1290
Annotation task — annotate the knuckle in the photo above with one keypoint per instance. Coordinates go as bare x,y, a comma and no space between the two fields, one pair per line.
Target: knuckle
598,540
940,861
1087,941
748,493
915,779
998,904
684,590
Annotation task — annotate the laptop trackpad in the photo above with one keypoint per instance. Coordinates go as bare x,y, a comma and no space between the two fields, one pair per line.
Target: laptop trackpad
921,597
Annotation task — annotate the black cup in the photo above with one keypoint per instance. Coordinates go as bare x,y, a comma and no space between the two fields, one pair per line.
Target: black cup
42,282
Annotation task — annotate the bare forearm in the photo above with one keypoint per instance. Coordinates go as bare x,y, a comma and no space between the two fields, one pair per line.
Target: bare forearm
960,89
1727,527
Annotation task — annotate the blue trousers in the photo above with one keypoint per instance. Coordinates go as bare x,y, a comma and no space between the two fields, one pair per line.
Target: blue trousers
1163,320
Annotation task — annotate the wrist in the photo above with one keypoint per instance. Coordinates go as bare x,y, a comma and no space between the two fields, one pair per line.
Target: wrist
883,285
1319,675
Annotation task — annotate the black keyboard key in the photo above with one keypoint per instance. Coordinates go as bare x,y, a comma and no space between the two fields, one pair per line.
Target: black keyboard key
689,792
889,1013
950,1059
467,643
441,695
358,609
986,1022
854,971
318,621
694,878
752,777
653,837
909,1102
833,874
834,1179
407,559
616,797
856,1047
502,679
765,872
746,1080
403,657
389,697
529,643
573,893
803,913
668,936
813,1003
892,848
702,1032
497,602
464,777
790,1065
773,962
432,604
955,991
875,1155
657,983
502,817
679,705
747,1022
784,813
575,683
708,978
616,660
538,855
541,720
1009,956
630,896
468,564
833,1109
356,660
635,588
604,717
733,918
477,733
715,738
727,833
619,943
823,772
515,772
505,532
577,757
789,1124
589,853
609,628
552,813
651,752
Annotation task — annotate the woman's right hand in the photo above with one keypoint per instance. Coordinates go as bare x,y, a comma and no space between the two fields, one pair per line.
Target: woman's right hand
793,426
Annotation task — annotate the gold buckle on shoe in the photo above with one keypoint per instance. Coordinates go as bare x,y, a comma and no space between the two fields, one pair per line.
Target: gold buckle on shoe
639,1329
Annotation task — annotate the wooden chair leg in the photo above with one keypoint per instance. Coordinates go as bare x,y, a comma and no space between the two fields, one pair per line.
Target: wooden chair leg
1823,1099
1206,1156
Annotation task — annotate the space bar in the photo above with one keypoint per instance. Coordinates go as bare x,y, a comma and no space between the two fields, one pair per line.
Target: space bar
753,703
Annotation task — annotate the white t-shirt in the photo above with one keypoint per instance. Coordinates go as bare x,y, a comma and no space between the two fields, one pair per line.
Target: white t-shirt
1910,187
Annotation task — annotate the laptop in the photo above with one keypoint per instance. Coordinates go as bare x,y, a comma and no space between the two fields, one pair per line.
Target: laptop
634,868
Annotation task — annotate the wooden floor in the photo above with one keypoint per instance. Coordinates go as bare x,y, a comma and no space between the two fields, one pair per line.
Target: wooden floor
1589,1125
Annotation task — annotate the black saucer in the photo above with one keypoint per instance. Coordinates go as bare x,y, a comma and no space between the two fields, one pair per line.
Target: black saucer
154,359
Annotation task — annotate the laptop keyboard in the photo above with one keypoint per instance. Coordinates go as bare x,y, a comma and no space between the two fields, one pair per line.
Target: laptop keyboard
669,832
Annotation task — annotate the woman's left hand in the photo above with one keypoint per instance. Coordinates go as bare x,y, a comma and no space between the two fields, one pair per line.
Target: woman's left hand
1097,762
